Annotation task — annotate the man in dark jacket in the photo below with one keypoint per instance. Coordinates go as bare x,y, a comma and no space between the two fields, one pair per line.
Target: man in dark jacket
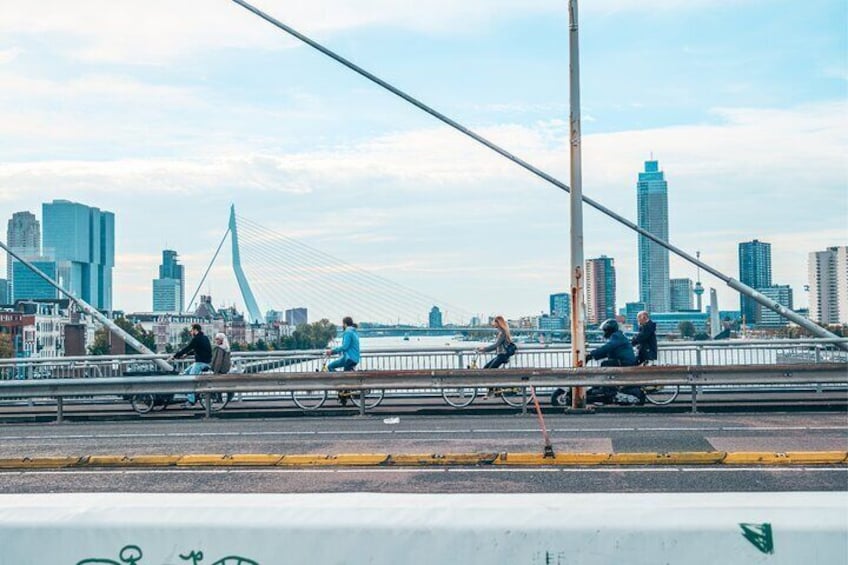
202,349
646,340
617,352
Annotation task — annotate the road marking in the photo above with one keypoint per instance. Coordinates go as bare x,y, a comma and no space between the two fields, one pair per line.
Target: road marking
401,470
418,431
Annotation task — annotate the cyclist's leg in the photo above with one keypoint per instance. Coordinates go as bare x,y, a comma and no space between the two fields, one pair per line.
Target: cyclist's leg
499,360
195,369
336,364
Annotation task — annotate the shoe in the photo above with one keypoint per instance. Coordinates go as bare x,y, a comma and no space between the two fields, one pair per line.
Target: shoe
189,404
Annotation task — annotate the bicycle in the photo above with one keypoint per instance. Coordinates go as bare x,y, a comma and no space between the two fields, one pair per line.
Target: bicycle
309,400
144,403
515,396
658,395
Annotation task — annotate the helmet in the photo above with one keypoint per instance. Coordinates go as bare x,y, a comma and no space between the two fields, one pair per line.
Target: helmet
609,327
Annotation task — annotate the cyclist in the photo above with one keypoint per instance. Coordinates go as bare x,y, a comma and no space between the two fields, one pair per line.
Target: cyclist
202,349
503,345
616,352
646,339
349,348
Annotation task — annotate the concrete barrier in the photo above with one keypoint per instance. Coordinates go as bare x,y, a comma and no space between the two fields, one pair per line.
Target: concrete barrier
532,529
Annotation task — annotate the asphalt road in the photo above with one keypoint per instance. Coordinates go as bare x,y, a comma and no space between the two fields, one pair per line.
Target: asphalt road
613,431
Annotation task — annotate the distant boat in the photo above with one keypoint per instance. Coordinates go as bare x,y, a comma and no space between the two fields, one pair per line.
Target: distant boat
406,337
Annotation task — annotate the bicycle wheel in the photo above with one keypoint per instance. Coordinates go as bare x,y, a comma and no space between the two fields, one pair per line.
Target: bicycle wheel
142,403
373,397
218,400
459,397
561,397
661,395
309,399
515,396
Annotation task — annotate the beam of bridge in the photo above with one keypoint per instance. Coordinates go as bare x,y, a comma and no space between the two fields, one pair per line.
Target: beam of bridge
247,294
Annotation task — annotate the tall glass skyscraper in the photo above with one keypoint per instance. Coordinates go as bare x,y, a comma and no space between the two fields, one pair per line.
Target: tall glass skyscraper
82,241
652,204
600,289
23,236
755,271
682,294
169,288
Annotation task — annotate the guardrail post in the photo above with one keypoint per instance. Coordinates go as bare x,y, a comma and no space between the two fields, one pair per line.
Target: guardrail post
362,403
207,405
694,393
60,409
524,400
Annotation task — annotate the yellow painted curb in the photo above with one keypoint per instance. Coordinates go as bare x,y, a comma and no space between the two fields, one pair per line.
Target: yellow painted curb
248,459
105,461
154,460
560,459
305,460
38,462
756,458
646,458
670,458
817,457
206,460
430,459
357,459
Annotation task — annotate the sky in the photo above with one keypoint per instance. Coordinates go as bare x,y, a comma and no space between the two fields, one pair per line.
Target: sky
168,112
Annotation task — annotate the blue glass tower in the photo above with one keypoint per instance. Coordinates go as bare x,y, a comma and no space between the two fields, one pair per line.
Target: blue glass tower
169,288
81,239
652,204
755,271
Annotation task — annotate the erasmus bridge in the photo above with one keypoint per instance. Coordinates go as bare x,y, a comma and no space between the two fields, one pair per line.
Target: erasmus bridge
763,481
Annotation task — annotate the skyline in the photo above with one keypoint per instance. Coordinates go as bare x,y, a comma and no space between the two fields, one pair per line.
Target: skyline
243,114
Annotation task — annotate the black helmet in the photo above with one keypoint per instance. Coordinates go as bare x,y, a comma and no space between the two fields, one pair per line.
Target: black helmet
609,327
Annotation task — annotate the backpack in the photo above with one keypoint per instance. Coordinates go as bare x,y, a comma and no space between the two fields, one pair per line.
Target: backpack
510,348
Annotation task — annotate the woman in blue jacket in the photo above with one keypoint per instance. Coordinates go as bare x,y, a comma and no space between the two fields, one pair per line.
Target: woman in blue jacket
349,348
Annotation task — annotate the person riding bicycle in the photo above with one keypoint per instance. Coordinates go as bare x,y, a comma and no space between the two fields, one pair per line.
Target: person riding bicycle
616,352
202,349
349,348
646,339
221,358
503,345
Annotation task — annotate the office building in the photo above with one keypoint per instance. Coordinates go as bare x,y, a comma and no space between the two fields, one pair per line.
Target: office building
668,323
828,281
435,317
81,239
768,318
169,288
23,236
652,209
754,271
296,316
275,317
631,309
600,289
560,305
29,286
682,294
4,291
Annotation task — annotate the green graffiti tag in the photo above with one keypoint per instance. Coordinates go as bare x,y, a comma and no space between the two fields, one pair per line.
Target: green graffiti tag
759,535
131,555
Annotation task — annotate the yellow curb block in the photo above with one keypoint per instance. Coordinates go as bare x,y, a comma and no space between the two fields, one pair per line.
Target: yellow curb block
251,459
341,460
38,462
202,460
154,460
671,458
756,458
817,457
105,461
560,459
431,459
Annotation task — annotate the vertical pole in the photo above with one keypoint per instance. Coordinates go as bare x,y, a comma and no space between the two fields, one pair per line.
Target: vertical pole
60,410
578,329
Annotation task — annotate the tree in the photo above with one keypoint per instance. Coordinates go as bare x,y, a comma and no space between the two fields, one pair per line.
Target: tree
101,342
6,348
686,329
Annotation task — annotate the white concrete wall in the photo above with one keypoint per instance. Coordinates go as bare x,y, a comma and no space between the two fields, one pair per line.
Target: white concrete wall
533,529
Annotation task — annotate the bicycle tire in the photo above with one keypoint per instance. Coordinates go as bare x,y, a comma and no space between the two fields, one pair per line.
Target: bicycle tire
517,397
142,403
661,395
219,400
309,399
561,397
459,397
373,397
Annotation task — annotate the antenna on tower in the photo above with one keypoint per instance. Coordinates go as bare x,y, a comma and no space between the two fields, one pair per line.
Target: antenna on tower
699,288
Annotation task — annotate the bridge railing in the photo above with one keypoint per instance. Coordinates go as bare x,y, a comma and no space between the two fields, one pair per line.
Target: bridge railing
708,353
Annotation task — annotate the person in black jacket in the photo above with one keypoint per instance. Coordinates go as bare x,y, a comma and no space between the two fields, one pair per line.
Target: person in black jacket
202,349
617,352
646,340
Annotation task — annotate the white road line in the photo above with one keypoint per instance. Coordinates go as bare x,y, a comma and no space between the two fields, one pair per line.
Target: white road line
418,431
416,470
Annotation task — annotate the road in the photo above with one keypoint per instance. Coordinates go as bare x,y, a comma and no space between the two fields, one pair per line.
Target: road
613,431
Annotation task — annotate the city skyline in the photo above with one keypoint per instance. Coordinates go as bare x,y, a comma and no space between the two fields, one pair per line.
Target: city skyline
316,153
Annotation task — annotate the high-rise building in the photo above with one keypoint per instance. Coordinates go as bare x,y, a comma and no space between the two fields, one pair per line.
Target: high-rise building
82,241
4,292
28,285
560,304
754,271
600,289
169,288
435,318
682,294
652,207
631,309
828,280
781,294
296,316
23,236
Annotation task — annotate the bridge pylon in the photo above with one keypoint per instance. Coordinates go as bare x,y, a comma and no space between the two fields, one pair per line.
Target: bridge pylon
253,311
